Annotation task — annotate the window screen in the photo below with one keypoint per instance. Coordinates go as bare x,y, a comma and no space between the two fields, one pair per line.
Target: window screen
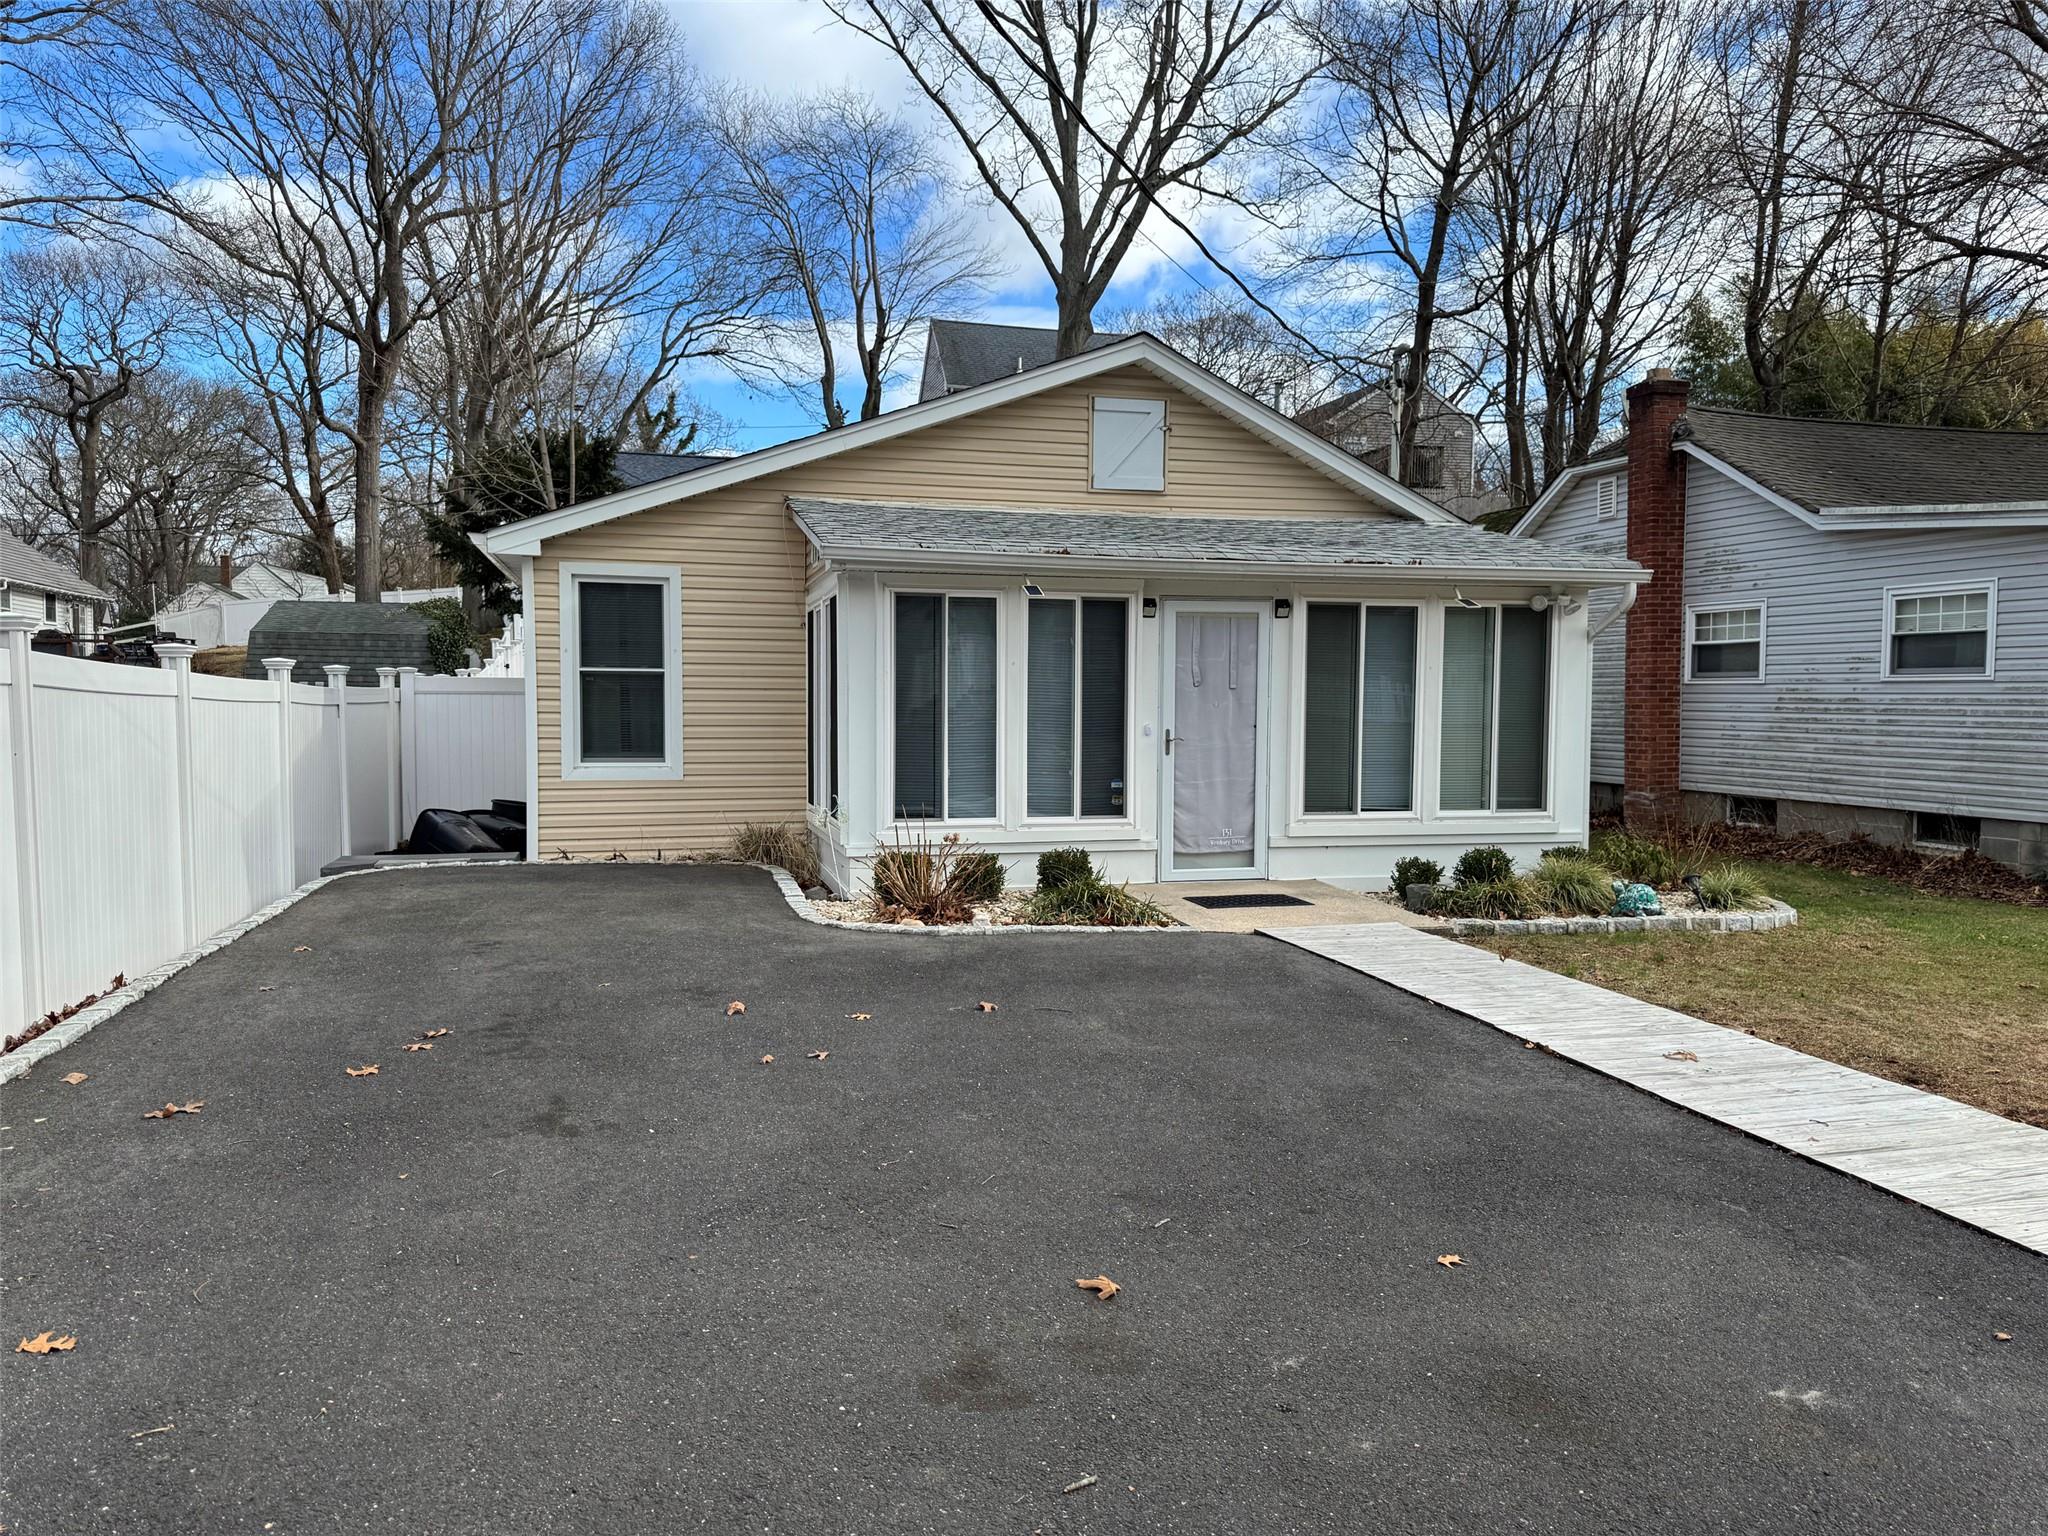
1389,752
1941,632
620,675
1330,709
1728,642
945,706
1524,708
1467,735
1077,682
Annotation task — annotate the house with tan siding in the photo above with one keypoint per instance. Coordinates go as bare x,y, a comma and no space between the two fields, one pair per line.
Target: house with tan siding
1106,601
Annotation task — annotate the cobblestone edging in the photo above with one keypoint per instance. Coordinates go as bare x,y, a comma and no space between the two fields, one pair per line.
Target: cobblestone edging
800,904
1777,915
17,1062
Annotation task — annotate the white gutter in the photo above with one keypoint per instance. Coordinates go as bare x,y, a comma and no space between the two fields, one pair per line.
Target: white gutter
1009,562
1628,601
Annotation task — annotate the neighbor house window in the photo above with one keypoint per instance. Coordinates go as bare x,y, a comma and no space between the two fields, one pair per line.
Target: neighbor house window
1496,709
622,671
945,675
1128,445
1727,642
1426,468
1078,682
1358,709
49,607
1937,632
822,699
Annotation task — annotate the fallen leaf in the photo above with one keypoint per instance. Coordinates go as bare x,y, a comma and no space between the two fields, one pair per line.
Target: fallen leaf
735,1006
169,1110
767,1061
1101,1285
1681,1056
367,1071
46,1342
985,1007
74,1078
417,1045
1449,1259
302,949
1528,1045
435,1034
863,1017
2003,1338
816,1055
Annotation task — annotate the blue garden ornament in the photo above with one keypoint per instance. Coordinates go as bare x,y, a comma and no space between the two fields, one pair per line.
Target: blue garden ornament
1632,900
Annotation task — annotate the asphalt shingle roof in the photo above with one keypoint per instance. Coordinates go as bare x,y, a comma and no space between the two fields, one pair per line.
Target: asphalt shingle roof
23,565
1838,464
972,353
844,526
637,469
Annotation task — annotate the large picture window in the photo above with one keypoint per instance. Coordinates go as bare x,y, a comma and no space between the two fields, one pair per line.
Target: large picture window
1358,737
1494,746
945,713
621,672
1078,684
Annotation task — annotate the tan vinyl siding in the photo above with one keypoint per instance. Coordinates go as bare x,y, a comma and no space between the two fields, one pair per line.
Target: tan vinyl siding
743,575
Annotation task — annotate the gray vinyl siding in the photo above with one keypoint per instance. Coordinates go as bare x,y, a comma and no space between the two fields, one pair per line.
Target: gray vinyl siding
1824,723
1575,521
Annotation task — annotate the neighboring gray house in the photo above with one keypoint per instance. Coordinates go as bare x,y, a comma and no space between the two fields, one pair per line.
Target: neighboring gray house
1361,422
959,354
1859,643
49,590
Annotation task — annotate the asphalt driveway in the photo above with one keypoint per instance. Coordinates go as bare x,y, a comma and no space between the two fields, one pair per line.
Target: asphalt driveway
589,1265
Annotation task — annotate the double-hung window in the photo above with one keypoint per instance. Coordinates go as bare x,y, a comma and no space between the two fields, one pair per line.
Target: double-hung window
1078,682
1358,702
821,635
1726,642
1939,632
1494,739
945,707
622,672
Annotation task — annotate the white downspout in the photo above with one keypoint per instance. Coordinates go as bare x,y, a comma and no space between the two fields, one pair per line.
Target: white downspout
1627,602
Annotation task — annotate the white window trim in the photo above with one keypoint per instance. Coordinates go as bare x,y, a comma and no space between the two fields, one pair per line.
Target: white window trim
1988,586
1763,639
1075,598
889,818
1165,440
1298,688
670,577
1494,811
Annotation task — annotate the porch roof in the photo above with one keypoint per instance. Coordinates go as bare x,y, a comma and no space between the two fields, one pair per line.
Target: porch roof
927,536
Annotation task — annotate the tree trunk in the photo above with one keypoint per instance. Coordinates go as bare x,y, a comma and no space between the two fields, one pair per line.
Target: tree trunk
368,464
1076,319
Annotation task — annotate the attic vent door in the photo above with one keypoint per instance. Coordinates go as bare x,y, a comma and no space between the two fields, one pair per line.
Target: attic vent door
1128,445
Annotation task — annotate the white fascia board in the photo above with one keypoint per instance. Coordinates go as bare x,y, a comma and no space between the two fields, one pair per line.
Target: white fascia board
1555,492
508,564
1755,487
526,536
977,563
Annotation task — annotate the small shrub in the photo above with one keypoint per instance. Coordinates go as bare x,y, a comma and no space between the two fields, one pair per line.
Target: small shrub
1409,872
1567,852
1065,866
932,881
450,640
1483,866
1575,887
1638,858
1729,888
1510,898
1092,903
777,842
981,875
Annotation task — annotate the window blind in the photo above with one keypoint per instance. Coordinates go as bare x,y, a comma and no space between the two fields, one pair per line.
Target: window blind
970,706
1389,751
1049,738
1330,709
1524,707
1467,737
919,617
1105,625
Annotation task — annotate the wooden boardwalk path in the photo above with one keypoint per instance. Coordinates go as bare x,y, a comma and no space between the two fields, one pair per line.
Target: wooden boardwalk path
1969,1164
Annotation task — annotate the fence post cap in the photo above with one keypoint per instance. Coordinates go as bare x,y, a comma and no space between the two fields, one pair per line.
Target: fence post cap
337,673
385,674
175,655
19,624
276,665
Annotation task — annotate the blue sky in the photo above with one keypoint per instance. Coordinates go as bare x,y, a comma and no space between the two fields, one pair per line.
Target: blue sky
769,44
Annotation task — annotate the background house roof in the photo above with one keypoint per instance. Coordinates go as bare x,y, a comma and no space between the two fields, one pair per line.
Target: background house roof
645,468
23,565
851,527
361,636
1824,465
970,352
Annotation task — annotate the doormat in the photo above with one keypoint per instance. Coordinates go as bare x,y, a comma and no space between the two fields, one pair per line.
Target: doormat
1247,899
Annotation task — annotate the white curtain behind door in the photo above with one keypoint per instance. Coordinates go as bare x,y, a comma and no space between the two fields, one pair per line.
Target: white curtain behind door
1215,733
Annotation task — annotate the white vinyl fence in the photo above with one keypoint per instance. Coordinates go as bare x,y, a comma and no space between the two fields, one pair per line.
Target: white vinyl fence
142,811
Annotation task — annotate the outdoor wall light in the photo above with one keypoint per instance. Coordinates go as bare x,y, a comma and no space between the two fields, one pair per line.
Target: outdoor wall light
1151,608
1282,608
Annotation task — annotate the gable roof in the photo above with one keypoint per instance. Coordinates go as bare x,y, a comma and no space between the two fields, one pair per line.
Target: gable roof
526,536
971,352
1873,472
905,533
1555,492
23,565
636,468
1324,412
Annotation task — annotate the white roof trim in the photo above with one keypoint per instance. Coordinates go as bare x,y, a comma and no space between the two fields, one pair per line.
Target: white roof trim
525,537
1556,490
1840,519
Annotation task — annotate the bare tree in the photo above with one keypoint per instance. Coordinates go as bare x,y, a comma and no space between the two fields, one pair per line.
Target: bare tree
852,208
1237,342
1095,109
328,128
1422,92
80,326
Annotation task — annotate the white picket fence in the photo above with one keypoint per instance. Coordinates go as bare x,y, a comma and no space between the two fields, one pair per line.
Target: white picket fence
142,811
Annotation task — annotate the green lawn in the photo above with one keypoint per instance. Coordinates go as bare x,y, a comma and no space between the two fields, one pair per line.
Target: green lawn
1943,993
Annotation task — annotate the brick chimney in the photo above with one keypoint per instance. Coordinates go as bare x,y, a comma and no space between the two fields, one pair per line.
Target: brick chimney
1656,625
227,570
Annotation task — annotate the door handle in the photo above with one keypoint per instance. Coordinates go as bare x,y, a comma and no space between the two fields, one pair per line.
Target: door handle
1169,741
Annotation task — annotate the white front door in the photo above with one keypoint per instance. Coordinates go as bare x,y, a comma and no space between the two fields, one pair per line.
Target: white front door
1213,778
